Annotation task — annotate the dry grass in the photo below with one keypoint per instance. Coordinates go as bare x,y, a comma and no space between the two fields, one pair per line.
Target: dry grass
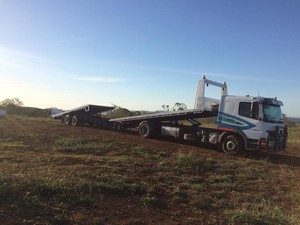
294,140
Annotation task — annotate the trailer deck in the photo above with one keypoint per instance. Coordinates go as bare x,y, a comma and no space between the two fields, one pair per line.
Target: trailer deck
164,116
89,109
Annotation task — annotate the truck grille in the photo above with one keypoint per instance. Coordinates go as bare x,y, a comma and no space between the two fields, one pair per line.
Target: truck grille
277,139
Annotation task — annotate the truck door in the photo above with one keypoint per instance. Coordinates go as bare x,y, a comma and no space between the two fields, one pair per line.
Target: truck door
252,113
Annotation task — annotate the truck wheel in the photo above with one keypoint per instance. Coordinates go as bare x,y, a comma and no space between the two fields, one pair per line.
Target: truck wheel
67,119
144,129
75,120
232,145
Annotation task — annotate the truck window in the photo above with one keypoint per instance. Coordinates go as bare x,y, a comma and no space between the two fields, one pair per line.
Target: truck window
245,109
229,107
255,111
249,109
272,113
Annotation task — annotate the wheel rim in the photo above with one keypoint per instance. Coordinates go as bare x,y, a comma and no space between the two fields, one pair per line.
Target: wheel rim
67,119
231,145
74,120
144,131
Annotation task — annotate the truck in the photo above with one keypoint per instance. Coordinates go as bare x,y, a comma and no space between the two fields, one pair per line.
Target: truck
243,122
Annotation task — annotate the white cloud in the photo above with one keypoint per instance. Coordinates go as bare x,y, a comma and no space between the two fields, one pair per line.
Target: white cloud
101,79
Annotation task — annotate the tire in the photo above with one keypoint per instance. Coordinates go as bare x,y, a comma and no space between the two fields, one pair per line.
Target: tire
75,120
232,145
145,130
67,119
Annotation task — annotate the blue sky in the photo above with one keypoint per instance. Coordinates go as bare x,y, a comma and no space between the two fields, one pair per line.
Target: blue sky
141,54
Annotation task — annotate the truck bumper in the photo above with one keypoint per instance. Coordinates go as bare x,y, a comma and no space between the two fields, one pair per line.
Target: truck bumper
276,140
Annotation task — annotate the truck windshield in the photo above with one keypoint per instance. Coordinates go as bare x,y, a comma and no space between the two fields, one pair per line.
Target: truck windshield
272,113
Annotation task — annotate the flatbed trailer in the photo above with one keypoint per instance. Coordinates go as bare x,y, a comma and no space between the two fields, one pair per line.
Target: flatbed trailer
243,122
93,115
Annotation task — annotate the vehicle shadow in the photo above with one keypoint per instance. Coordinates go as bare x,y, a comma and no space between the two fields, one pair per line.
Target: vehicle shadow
276,158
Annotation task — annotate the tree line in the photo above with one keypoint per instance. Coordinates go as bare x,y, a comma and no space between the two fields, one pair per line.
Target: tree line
14,106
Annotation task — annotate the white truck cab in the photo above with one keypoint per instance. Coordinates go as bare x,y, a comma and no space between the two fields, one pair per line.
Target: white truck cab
258,121
244,122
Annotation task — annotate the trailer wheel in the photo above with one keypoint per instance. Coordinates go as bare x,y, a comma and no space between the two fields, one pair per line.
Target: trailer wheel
75,120
67,119
232,145
144,129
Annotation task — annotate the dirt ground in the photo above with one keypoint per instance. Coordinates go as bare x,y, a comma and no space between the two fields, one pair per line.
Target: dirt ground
51,173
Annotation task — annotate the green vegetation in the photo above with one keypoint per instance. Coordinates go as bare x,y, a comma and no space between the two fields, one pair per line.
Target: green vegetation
84,146
262,213
177,107
119,112
51,173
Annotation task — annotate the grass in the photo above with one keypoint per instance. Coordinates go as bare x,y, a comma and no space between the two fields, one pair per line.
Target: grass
294,141
262,213
84,146
8,143
54,174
